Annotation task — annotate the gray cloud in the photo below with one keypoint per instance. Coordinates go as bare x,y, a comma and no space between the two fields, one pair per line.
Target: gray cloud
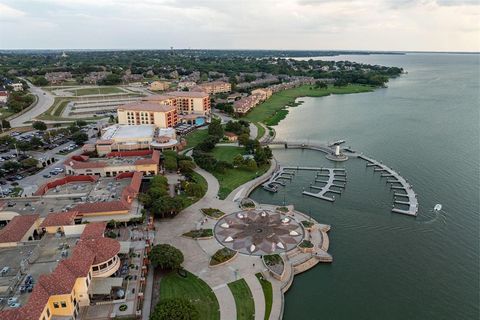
277,24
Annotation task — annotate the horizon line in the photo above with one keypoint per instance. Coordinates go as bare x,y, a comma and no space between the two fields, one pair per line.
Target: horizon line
239,49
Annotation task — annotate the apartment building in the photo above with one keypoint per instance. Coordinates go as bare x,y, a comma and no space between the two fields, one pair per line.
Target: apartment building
214,87
58,77
159,85
263,93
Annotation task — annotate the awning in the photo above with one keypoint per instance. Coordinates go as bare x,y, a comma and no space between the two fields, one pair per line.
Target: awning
104,285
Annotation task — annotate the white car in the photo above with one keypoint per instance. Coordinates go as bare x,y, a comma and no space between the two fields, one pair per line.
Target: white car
12,300
59,169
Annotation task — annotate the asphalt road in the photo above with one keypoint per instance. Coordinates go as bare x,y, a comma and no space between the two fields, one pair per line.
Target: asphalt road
45,101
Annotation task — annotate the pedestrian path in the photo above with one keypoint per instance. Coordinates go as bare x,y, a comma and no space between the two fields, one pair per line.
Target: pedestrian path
226,301
257,294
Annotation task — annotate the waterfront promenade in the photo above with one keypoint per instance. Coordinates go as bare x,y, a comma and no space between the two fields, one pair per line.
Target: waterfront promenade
198,252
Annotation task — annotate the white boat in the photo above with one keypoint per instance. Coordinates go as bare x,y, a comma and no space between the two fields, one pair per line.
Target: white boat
437,207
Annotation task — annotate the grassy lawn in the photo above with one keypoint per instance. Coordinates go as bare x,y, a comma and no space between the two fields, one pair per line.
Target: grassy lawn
5,113
193,289
266,111
233,178
261,130
97,90
267,293
195,137
227,153
243,299
60,107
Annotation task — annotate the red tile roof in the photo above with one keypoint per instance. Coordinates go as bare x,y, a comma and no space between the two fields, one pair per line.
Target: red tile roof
16,229
147,106
57,219
104,248
133,153
92,249
93,230
98,207
188,94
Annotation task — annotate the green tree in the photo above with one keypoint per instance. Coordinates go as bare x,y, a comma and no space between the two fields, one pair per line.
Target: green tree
11,166
195,189
186,166
79,137
251,165
40,81
175,309
29,163
208,143
81,123
238,161
5,124
243,139
170,163
111,79
166,257
39,125
215,129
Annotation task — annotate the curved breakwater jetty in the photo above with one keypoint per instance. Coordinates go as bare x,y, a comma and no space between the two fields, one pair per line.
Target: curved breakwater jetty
397,182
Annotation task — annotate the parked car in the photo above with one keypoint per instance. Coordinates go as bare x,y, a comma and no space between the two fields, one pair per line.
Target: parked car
53,173
46,176
59,169
14,305
12,300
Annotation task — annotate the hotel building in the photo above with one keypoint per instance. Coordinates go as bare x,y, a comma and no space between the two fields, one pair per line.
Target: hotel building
162,115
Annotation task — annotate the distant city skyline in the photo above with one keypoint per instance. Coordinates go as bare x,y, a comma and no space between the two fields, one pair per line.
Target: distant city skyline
380,25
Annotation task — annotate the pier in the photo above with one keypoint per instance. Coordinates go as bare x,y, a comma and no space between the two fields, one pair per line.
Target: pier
396,178
329,184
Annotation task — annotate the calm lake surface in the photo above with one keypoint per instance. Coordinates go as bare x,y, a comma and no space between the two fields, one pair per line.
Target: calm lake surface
425,125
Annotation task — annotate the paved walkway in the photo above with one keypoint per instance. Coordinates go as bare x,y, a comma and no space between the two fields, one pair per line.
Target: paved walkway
257,294
226,301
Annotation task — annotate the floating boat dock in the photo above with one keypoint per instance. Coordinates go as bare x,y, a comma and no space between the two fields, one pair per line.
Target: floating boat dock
329,184
398,183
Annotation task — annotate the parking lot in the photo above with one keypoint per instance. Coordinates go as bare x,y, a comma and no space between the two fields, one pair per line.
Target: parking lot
28,182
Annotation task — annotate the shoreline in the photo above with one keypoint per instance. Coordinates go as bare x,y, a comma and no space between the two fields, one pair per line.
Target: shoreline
273,110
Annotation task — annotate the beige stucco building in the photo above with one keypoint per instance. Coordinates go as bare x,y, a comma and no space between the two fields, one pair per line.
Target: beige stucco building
159,85
161,114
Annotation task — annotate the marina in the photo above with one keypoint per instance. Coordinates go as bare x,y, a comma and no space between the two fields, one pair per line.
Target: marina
332,175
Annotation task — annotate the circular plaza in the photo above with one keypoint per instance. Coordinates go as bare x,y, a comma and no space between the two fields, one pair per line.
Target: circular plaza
258,232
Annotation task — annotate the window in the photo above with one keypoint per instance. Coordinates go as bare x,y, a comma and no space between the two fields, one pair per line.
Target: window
56,305
63,304
48,312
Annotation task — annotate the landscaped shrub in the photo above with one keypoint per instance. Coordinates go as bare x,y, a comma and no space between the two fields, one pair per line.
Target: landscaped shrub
272,259
201,233
214,213
307,224
222,255
306,244
123,307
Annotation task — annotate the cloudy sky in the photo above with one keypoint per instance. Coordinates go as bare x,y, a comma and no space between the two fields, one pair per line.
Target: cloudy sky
423,25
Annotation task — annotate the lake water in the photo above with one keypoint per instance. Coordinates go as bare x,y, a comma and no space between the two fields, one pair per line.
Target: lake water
425,125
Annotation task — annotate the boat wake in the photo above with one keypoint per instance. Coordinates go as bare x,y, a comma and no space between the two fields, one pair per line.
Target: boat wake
432,216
